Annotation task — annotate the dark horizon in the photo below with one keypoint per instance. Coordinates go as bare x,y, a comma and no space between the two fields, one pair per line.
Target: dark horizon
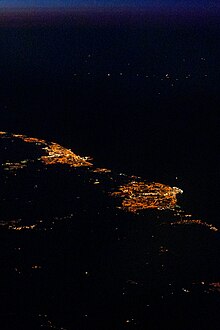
104,16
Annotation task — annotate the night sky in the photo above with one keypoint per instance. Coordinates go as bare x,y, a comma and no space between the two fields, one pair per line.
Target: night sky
204,4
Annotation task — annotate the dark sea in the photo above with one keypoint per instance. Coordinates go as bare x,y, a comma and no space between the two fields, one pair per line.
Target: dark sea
141,98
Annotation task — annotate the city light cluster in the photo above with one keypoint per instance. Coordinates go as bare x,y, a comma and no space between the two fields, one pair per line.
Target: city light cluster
134,196
101,170
194,222
60,155
138,196
34,140
14,166
56,154
31,227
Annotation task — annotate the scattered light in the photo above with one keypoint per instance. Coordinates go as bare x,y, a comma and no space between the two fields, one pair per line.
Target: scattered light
194,222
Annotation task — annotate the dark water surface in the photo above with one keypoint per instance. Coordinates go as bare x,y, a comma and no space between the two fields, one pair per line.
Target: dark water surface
142,99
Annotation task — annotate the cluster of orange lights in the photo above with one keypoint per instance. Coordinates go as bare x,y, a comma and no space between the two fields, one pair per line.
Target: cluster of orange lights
194,222
56,154
34,140
101,170
16,225
134,196
19,228
14,166
60,155
138,196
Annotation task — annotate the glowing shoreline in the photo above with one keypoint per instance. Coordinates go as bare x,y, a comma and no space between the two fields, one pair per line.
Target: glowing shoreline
133,194
138,196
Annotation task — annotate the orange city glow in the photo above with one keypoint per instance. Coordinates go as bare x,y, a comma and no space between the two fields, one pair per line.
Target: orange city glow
137,196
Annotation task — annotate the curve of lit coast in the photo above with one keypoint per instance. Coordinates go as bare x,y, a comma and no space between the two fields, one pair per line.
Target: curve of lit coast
138,196
135,195
131,194
56,154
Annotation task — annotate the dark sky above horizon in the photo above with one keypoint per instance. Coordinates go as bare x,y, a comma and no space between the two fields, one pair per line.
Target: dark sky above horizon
204,4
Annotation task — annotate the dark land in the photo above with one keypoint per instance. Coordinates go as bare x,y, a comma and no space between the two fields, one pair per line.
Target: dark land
142,98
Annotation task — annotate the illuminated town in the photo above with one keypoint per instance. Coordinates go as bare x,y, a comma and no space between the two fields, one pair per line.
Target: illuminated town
56,154
29,139
134,196
194,222
138,196
101,170
14,166
60,155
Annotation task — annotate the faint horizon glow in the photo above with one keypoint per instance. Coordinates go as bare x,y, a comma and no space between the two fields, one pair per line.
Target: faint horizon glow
133,4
